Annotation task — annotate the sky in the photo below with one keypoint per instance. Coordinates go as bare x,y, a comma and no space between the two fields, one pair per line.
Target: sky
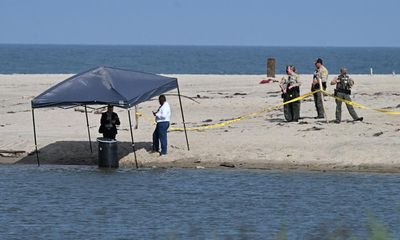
202,22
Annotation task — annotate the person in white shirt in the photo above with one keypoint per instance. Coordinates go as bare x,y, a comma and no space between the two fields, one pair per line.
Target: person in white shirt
163,116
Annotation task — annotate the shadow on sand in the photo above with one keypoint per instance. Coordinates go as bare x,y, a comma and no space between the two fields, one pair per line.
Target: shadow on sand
77,153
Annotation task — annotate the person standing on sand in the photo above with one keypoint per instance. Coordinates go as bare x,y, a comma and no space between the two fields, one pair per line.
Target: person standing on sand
108,123
163,116
320,75
290,88
343,90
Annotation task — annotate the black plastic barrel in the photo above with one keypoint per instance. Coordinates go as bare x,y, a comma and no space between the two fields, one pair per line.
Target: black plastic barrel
108,153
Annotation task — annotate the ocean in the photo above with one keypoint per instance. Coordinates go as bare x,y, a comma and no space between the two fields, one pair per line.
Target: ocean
36,59
84,202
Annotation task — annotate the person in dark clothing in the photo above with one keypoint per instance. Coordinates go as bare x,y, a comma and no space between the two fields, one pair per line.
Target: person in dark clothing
290,88
108,123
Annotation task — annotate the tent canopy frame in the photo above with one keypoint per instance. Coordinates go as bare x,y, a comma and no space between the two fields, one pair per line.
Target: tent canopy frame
48,97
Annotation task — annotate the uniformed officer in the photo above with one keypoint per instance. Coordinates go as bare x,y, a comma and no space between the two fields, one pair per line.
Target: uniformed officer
290,88
343,90
320,75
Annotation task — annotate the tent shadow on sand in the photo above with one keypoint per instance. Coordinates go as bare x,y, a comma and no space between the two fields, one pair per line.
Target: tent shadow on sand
77,153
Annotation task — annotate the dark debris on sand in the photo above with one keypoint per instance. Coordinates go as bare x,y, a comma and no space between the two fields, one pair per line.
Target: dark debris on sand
226,164
314,128
377,134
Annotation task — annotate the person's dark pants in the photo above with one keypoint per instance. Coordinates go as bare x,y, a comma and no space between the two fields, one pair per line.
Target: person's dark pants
319,105
160,135
318,98
350,108
109,134
292,110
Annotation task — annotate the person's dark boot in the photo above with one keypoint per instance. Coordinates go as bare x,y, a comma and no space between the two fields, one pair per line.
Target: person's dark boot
359,119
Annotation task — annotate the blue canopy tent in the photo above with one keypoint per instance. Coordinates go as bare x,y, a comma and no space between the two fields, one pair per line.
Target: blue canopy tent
106,85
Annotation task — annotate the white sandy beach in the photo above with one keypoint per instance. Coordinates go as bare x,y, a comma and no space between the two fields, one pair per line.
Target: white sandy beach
265,141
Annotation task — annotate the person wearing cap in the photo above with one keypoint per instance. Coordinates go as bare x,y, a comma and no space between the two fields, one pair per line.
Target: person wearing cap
320,75
108,123
163,116
343,90
290,88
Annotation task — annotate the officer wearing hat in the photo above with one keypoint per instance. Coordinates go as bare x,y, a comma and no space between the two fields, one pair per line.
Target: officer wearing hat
343,90
290,87
320,75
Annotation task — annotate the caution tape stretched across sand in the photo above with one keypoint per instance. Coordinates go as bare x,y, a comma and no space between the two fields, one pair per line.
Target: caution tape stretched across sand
268,109
228,122
358,105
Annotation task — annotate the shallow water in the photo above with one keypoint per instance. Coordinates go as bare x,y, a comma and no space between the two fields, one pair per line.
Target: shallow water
83,202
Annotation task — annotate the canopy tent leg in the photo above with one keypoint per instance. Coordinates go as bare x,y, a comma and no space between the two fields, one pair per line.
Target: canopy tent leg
87,124
34,137
133,142
183,116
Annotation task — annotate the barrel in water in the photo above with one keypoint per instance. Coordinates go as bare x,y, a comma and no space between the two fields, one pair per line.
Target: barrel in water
108,153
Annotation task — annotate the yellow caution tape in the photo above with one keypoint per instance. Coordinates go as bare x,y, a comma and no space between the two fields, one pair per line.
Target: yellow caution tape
268,109
264,110
358,105
150,119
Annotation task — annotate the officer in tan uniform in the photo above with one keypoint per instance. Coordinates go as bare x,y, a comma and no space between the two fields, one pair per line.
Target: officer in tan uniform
290,88
320,75
343,90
